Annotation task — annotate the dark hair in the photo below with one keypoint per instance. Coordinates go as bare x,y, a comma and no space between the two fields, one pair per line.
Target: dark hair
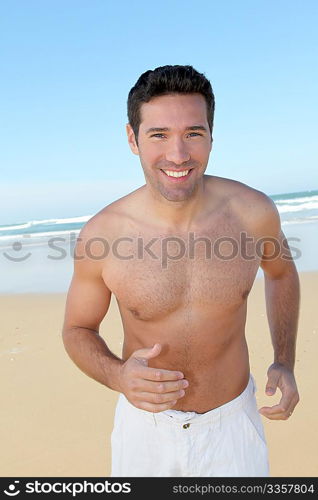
168,80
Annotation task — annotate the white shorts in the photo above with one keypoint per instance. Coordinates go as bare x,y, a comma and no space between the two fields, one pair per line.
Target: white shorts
228,441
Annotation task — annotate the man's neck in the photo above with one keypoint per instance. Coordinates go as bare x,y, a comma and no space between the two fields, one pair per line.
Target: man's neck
176,214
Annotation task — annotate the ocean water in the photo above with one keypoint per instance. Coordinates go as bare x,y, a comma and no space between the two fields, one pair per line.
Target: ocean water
37,255
297,208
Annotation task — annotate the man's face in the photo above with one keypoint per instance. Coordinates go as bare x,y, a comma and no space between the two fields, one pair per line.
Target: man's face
174,138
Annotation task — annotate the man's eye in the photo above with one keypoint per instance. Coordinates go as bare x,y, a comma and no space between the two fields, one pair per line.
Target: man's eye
160,136
194,134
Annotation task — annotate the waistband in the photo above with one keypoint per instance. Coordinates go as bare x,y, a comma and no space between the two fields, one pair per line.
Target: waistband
176,416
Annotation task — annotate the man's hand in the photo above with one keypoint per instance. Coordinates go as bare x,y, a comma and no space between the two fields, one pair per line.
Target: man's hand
151,389
282,377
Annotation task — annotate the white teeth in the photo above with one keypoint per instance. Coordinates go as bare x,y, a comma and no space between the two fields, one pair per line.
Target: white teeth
170,173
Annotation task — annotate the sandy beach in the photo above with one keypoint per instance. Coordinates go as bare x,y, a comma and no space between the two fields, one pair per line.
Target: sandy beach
55,421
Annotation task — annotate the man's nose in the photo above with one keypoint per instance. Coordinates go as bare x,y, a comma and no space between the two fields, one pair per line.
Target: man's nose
177,152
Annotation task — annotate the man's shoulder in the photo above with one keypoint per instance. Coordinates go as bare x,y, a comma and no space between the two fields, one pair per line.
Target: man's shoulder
232,188
250,198
108,219
254,207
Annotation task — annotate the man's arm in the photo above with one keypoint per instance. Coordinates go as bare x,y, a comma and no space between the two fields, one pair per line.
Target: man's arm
282,304
87,303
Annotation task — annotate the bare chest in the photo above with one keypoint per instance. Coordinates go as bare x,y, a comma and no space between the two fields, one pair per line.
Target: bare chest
153,275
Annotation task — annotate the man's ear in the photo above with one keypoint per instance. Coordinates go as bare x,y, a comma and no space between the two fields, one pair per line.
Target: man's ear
132,139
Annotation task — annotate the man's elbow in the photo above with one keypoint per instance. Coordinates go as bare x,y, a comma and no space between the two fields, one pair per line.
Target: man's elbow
284,269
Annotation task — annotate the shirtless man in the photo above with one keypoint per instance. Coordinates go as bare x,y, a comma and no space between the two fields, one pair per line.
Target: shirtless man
180,254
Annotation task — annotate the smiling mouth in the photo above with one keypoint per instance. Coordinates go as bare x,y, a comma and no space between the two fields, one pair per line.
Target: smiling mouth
177,175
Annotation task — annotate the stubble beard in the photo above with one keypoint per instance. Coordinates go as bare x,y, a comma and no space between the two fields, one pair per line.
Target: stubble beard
177,194
173,194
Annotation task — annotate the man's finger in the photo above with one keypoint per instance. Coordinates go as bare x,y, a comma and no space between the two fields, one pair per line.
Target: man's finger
288,397
158,399
276,416
281,407
272,410
161,387
159,374
147,353
279,411
272,383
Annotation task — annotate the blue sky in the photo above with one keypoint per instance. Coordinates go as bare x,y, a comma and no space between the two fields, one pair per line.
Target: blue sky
67,67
